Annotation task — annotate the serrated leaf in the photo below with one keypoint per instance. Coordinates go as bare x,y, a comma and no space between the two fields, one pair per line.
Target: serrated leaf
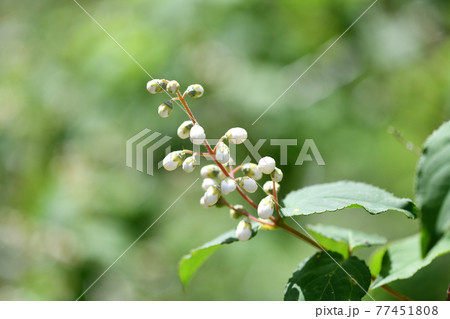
336,196
403,259
190,263
343,240
321,277
433,187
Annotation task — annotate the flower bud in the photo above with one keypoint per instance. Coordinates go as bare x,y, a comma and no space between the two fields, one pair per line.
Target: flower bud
212,195
197,134
189,164
268,187
172,86
184,129
244,230
227,186
236,135
251,170
202,202
277,175
222,153
248,184
210,171
265,208
173,160
165,108
207,182
266,165
153,86
236,215
194,90
221,174
162,84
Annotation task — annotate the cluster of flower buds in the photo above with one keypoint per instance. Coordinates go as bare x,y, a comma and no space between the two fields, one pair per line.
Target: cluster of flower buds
171,87
218,178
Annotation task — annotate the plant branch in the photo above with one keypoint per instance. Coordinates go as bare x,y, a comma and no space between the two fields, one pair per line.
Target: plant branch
245,214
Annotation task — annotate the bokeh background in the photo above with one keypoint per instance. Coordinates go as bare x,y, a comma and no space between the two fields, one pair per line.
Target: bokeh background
70,98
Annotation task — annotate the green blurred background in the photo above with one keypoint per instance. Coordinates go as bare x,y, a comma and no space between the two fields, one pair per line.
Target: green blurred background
70,98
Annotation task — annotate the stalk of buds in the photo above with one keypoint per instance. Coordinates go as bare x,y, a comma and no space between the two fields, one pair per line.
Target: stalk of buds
219,179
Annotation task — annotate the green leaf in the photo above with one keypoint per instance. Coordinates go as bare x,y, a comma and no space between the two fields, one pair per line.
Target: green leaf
433,187
321,277
190,263
376,259
343,240
403,259
336,196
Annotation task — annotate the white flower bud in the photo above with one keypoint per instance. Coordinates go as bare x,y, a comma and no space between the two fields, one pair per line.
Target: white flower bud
173,160
184,129
212,195
266,165
197,134
236,135
265,208
195,90
236,215
248,184
221,174
165,108
227,186
207,182
189,164
222,153
202,202
156,86
210,171
153,86
251,170
172,86
244,230
268,187
277,175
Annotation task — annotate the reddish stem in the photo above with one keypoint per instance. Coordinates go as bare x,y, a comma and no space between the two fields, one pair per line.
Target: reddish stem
246,214
212,153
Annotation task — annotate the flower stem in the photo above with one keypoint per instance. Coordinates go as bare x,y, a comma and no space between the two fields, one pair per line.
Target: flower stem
245,214
211,151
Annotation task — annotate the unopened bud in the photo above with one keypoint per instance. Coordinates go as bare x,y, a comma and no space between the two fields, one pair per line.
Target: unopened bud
202,202
244,230
189,164
248,184
268,187
251,170
165,108
228,185
172,86
153,86
277,175
236,135
266,165
212,195
173,160
184,129
222,153
197,134
234,214
194,90
265,208
207,182
210,171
